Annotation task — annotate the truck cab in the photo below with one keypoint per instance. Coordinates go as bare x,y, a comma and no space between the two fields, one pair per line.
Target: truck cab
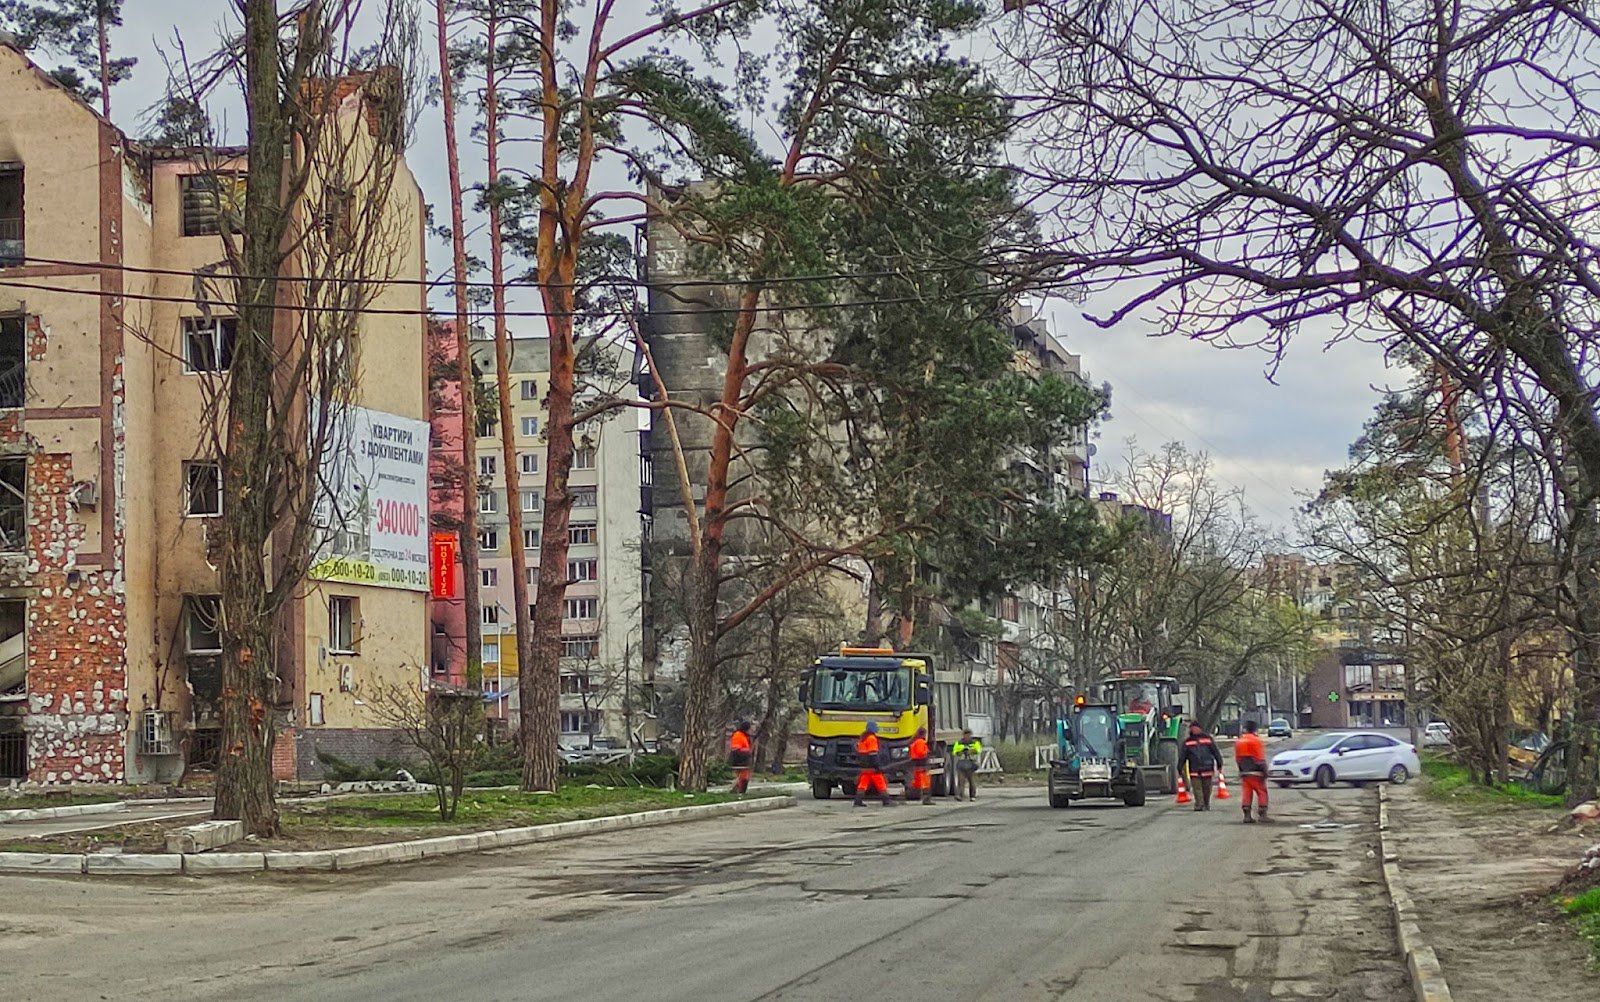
842,693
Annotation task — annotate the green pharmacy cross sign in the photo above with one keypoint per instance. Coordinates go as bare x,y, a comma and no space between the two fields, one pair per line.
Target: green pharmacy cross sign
1333,697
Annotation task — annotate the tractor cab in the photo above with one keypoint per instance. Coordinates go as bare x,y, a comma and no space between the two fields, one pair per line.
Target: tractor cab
1152,722
1090,732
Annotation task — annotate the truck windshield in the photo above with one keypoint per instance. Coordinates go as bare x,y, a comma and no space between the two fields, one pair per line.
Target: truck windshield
870,689
1093,733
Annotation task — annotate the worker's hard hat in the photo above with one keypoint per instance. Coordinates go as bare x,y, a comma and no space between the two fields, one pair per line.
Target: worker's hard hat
872,727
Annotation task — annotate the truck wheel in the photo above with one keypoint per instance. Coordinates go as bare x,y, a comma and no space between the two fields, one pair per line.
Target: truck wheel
821,789
1060,800
1167,755
1134,797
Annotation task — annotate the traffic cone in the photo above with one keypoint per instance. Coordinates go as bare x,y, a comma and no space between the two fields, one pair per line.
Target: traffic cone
1222,786
1183,791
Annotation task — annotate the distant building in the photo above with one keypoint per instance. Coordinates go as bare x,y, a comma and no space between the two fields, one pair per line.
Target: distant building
447,492
604,679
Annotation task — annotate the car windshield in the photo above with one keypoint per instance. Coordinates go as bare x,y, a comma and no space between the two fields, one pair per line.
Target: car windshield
1280,722
869,689
1322,741
1093,734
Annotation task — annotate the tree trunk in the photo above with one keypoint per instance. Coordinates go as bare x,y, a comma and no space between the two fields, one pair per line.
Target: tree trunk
104,44
248,625
773,697
1583,755
699,703
471,597
872,633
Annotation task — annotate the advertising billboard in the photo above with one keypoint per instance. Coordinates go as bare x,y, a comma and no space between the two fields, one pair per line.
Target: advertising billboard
372,513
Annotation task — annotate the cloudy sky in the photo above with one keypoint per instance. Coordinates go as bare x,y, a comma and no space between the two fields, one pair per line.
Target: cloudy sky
1270,439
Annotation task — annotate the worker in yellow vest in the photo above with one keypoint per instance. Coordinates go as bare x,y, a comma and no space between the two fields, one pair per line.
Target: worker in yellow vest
968,751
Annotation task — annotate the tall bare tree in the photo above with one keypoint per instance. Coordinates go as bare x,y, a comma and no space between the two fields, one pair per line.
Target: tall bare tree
311,230
465,376
1422,171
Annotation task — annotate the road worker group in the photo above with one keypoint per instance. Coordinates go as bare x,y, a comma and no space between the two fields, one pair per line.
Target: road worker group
1200,762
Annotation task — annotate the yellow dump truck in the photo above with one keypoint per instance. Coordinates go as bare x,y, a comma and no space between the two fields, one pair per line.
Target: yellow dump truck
842,693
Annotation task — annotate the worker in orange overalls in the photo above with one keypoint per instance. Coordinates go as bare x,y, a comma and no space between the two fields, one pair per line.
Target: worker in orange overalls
1251,755
920,781
739,756
868,754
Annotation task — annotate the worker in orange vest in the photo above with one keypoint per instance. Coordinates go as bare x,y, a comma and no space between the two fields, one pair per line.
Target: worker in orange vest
1251,755
870,757
920,782
739,756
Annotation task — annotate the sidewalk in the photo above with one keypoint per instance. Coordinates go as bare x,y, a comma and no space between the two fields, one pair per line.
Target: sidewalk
17,831
1481,880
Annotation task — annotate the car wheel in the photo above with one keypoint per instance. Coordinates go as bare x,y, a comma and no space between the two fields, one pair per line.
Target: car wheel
1399,774
1324,777
1282,785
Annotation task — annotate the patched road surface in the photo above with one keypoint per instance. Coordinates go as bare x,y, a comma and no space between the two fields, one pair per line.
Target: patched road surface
999,899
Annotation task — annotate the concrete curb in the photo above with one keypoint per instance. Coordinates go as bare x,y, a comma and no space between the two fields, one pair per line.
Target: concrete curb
1422,964
357,857
113,807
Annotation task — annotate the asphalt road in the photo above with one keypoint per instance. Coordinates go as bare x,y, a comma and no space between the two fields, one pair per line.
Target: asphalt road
999,899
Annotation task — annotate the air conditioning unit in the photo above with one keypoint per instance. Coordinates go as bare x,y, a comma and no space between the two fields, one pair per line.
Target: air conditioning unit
155,733
84,494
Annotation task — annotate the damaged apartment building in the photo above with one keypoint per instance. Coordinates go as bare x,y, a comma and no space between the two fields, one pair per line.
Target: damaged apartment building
109,501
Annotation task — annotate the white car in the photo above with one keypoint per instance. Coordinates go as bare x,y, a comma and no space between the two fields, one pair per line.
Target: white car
1345,757
1436,733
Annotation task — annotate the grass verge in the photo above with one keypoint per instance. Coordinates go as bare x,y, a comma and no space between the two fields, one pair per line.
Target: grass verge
488,808
367,820
33,801
1584,910
1453,783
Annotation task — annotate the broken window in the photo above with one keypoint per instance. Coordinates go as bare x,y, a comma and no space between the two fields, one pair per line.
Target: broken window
11,250
344,619
13,504
13,649
209,200
338,219
202,487
13,362
202,624
208,344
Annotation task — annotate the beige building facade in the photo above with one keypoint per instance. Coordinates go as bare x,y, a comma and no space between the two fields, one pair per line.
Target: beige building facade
109,655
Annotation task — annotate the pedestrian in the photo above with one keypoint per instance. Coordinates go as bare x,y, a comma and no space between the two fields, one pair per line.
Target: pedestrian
870,757
919,782
967,751
1251,756
739,756
1201,760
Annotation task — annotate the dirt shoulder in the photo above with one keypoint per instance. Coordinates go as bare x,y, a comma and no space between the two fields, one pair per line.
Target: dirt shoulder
1482,878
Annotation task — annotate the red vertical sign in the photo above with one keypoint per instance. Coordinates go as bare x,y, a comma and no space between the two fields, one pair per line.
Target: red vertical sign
442,566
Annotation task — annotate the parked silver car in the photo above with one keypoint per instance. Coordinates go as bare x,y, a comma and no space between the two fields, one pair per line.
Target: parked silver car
1345,757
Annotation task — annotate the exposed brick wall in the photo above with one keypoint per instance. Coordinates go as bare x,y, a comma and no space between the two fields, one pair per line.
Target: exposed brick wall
361,747
77,643
283,745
